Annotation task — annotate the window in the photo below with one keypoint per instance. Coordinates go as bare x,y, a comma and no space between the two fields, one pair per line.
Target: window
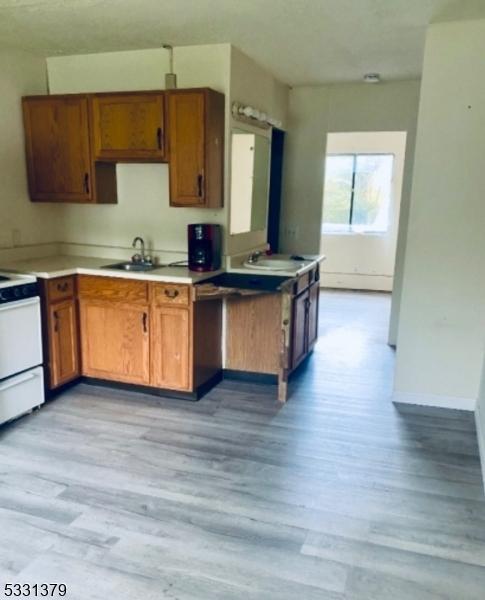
357,193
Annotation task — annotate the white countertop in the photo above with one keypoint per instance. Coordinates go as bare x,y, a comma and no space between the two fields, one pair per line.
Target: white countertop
59,266
304,265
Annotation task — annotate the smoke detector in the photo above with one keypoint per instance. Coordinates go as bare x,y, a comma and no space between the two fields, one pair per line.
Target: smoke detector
372,78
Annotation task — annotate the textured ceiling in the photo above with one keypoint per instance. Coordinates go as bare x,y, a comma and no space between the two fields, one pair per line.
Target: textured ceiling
299,41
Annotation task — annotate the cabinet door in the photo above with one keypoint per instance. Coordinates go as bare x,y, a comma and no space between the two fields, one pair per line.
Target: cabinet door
314,296
115,341
57,146
170,348
299,330
128,126
186,112
63,343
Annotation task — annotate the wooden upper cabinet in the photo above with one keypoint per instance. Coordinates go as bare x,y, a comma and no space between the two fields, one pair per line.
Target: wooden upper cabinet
57,147
196,141
128,126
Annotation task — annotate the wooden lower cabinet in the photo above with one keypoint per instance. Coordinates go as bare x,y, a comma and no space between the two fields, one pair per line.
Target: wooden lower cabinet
313,299
300,329
170,348
148,338
63,350
115,341
61,327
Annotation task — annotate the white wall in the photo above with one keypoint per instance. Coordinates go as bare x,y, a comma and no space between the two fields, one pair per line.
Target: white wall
480,420
21,222
143,192
253,85
315,111
358,260
442,319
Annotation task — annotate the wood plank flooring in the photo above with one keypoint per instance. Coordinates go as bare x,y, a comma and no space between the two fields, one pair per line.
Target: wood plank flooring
336,495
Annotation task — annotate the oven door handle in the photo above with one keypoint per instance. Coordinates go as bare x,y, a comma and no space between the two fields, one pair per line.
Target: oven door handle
17,381
19,303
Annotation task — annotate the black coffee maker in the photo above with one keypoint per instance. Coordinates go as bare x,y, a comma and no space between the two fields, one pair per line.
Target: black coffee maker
204,247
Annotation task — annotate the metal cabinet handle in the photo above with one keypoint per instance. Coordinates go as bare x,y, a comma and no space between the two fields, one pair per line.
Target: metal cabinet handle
62,287
159,138
144,322
56,321
200,182
86,183
171,293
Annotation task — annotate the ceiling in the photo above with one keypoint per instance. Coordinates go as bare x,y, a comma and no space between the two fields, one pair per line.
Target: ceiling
299,41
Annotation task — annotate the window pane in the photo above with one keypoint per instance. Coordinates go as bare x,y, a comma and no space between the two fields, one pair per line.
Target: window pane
337,190
372,193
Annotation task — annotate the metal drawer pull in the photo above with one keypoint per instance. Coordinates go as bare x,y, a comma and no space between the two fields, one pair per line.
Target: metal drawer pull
63,287
171,293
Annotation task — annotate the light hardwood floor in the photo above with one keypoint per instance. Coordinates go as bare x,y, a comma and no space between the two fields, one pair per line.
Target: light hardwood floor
336,495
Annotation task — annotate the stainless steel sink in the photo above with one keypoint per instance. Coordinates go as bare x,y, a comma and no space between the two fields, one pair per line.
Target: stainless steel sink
132,266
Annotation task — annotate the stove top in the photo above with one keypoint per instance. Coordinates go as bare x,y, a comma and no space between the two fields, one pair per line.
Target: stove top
8,279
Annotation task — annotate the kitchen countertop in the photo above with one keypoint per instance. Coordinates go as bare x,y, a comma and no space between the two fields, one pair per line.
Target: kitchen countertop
60,266
310,260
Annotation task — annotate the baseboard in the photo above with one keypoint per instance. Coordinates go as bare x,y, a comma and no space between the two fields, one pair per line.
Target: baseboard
356,281
437,400
250,376
481,440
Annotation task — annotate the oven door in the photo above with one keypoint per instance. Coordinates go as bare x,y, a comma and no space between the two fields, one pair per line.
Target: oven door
20,336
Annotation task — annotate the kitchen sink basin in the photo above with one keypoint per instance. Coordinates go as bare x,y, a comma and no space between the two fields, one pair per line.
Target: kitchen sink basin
274,264
131,266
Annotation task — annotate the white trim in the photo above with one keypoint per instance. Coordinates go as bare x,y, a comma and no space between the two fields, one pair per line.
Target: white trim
481,440
453,402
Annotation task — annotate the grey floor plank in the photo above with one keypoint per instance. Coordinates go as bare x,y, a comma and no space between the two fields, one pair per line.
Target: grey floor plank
337,495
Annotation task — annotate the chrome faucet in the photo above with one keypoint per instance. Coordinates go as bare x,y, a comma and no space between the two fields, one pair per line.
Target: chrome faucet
254,257
140,257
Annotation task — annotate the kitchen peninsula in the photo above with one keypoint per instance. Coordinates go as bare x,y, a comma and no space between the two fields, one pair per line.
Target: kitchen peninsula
162,331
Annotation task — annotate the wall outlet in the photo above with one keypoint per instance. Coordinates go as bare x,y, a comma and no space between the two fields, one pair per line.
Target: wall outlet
5,239
16,237
291,232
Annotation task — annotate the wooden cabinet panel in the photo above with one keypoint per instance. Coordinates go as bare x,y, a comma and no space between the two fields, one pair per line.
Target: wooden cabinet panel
314,297
196,138
170,348
115,289
63,343
57,146
253,333
128,126
115,341
299,330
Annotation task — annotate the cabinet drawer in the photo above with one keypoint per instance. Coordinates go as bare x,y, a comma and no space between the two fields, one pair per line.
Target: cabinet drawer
112,288
169,293
60,288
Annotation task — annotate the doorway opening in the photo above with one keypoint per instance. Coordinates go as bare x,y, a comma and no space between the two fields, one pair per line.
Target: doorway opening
361,205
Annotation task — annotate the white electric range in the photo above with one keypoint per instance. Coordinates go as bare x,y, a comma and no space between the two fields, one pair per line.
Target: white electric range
21,373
